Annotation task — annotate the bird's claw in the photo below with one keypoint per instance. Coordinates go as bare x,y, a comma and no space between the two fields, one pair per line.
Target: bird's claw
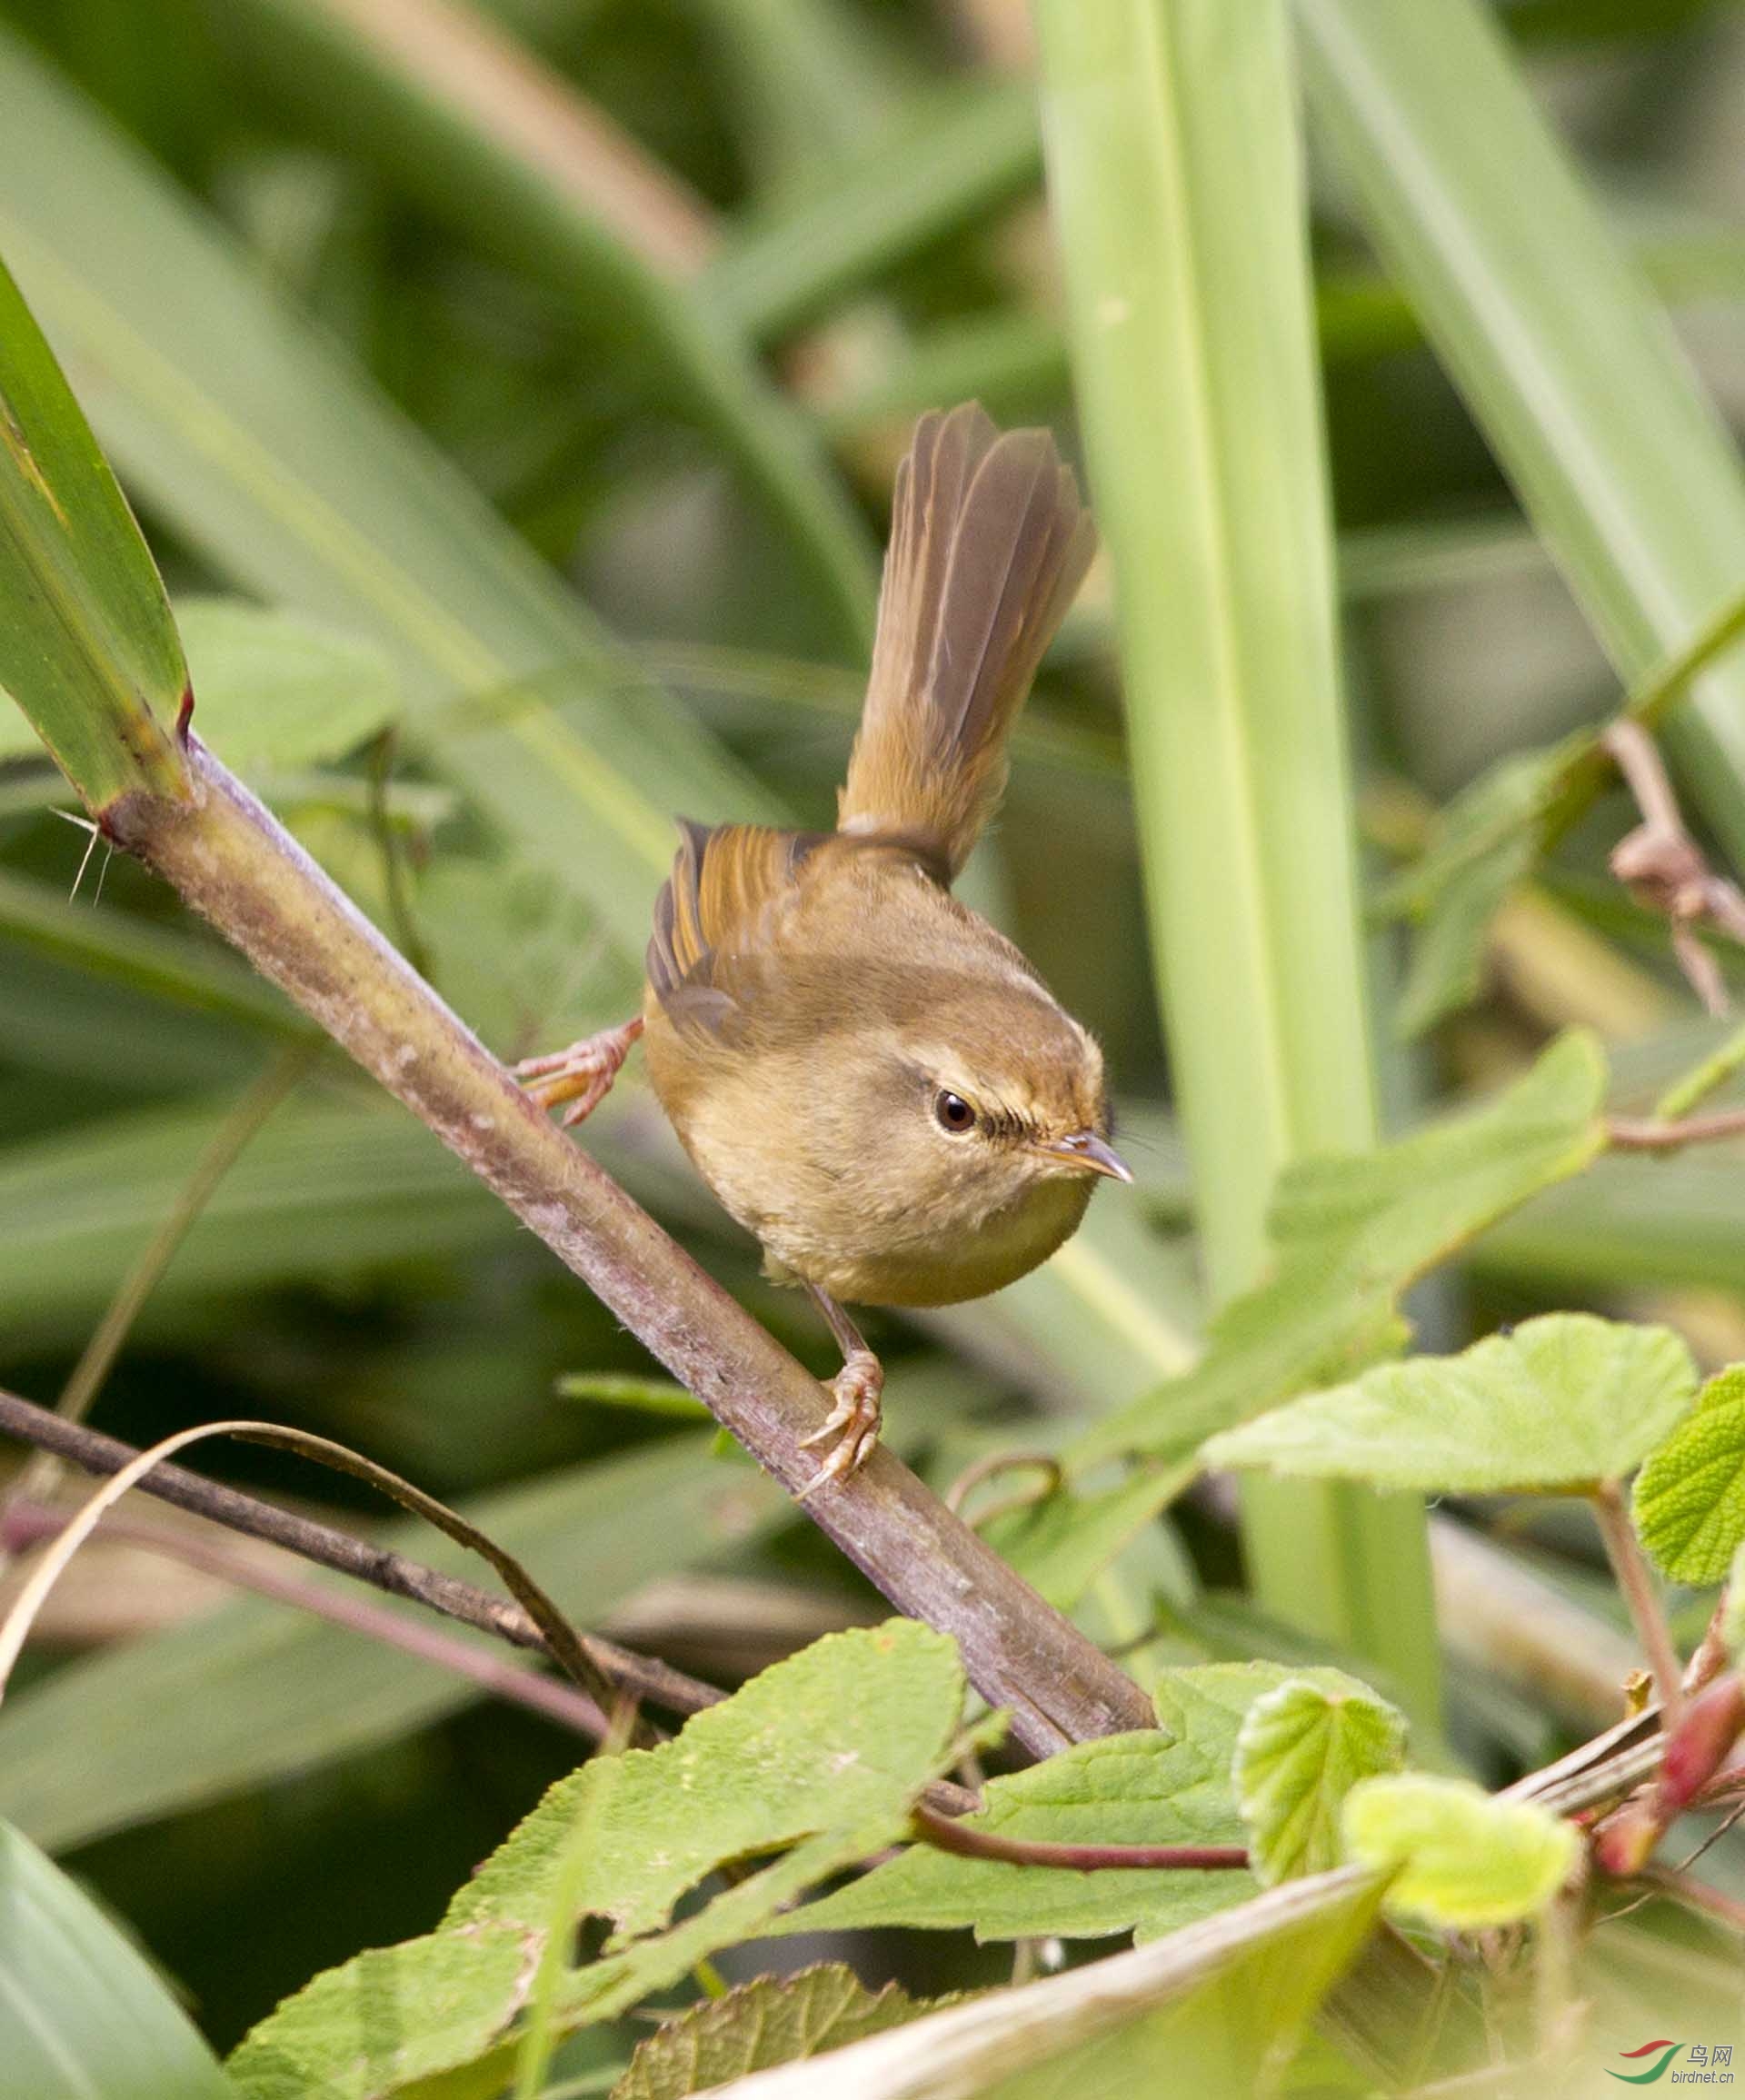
851,1427
580,1075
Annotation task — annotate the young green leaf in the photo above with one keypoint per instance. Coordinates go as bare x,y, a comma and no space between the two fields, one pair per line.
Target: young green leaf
82,2012
1351,1234
646,1396
772,2020
275,689
1485,841
1561,1403
1689,1499
1465,1858
825,1753
1170,1786
88,647
1301,1750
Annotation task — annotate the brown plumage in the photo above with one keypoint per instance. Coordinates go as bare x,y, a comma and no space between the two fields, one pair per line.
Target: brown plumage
872,1080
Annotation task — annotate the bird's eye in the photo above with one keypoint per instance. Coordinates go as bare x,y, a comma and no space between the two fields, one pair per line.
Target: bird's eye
952,1112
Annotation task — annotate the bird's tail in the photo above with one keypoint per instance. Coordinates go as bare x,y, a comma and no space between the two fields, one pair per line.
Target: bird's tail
989,542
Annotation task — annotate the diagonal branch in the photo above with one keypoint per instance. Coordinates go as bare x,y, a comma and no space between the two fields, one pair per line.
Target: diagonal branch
233,862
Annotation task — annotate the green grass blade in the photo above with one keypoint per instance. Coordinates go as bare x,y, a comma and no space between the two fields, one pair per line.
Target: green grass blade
969,153
437,143
82,2010
180,966
1173,167
1565,361
88,647
277,461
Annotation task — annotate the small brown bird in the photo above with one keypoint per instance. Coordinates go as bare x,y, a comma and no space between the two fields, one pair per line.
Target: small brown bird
874,1082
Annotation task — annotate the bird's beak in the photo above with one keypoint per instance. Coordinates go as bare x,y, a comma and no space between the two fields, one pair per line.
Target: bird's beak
1085,1148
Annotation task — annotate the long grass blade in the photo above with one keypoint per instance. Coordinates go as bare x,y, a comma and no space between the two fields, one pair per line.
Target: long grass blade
1622,463
1173,168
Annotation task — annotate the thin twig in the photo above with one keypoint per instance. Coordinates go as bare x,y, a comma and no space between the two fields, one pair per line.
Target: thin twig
28,1523
1702,1080
1640,1594
1695,1894
1633,1135
990,1469
1662,866
946,1834
383,1570
393,878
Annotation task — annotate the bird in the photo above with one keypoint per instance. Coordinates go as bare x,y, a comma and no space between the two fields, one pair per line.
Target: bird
871,1079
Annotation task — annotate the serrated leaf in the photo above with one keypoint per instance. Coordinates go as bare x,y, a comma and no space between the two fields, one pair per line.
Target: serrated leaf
772,2020
1170,1787
1351,1234
88,647
1465,1858
824,1752
1689,1499
1301,1750
387,2017
1561,1403
82,2014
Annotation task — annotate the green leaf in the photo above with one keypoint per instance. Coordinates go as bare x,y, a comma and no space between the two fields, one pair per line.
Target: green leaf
255,1691
1301,1750
771,2020
825,1752
1561,1403
646,1396
82,2016
387,2017
1689,1499
957,156
1351,1234
1170,1787
301,484
277,690
1465,1858
87,647
272,689
1623,466
1484,842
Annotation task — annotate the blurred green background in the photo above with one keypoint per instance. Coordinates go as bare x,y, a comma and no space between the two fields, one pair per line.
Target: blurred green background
570,414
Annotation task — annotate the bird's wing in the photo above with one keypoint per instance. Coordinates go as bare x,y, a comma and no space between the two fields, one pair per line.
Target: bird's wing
714,915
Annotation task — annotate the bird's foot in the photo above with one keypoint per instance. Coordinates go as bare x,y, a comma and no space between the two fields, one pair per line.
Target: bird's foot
852,1427
580,1075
